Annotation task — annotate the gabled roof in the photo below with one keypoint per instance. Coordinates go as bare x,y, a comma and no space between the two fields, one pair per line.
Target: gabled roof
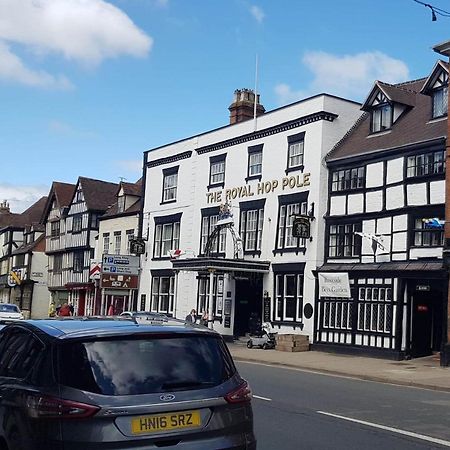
114,210
134,189
30,216
395,93
62,193
413,127
98,195
439,67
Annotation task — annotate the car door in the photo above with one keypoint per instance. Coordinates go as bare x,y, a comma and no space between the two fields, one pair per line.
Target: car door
20,350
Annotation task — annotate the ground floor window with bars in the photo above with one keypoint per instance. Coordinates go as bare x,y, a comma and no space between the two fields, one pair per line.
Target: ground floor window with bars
375,307
163,290
369,312
337,313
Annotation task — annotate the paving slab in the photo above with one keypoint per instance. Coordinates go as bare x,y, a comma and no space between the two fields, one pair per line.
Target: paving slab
420,372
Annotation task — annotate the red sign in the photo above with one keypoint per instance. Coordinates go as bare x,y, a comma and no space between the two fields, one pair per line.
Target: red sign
119,281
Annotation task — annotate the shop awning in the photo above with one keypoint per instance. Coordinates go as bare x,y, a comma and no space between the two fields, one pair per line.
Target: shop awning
406,267
220,264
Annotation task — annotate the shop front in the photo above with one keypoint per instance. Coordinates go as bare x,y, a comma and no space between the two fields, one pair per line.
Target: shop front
393,310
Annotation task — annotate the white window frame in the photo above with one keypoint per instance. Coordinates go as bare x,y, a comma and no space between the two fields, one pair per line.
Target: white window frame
252,235
208,224
117,242
106,243
170,184
255,163
296,154
159,297
130,237
217,172
280,297
286,217
167,238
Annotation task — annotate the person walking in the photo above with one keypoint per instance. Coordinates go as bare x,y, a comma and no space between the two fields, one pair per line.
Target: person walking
204,319
192,316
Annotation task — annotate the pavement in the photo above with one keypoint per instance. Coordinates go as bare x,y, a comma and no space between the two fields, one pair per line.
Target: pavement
420,372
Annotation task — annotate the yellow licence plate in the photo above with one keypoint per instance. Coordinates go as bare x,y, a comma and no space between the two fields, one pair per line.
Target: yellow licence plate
165,422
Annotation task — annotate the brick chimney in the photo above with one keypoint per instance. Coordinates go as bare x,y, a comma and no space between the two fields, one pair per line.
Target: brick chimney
4,207
243,106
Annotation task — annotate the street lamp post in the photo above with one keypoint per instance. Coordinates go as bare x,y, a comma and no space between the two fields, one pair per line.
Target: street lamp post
444,49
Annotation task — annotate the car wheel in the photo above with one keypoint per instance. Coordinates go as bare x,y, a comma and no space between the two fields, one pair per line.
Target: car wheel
249,344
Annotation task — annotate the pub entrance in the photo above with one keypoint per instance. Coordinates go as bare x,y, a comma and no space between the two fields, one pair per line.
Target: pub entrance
426,320
248,300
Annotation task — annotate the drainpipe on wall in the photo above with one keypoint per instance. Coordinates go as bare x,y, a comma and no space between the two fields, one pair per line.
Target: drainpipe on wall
444,49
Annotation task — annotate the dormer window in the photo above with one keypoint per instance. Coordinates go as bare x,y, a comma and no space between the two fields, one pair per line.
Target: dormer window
440,101
121,204
436,87
381,117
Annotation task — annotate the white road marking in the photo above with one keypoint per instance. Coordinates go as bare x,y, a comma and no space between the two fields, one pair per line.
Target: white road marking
262,398
393,430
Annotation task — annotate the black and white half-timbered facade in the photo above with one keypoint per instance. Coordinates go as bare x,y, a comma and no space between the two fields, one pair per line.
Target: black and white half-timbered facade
219,210
71,231
384,225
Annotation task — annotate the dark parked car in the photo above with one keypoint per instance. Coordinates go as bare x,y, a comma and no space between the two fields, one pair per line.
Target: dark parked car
79,384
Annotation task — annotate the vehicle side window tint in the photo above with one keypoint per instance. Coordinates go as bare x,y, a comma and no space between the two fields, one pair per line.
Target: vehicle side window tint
33,350
20,353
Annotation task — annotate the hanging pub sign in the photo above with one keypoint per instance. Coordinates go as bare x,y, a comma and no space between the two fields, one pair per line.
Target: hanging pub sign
301,227
137,246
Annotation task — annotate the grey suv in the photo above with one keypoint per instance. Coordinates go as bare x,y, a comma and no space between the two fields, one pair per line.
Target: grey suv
84,384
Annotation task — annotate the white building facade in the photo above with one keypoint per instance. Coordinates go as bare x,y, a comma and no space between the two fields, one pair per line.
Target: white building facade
267,172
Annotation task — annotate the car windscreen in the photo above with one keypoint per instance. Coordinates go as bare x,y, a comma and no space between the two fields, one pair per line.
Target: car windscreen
9,308
132,366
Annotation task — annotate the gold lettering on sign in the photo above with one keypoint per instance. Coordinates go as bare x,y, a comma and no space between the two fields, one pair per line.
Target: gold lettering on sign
263,187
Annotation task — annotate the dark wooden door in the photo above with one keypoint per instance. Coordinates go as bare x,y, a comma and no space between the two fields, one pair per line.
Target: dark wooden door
422,322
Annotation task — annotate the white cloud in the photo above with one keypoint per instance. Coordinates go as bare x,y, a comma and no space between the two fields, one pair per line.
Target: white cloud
134,166
22,197
257,13
286,94
13,68
348,76
86,31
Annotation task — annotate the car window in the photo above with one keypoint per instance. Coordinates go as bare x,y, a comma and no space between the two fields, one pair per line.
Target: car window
9,308
145,365
19,351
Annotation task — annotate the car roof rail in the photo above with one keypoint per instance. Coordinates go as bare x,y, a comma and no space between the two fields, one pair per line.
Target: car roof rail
98,317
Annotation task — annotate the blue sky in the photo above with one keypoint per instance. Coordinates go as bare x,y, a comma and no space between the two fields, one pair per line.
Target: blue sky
88,85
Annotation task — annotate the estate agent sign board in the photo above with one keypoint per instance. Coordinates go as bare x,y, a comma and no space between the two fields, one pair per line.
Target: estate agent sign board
334,285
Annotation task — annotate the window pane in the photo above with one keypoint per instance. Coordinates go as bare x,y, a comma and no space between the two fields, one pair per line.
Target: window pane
255,163
147,365
295,154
